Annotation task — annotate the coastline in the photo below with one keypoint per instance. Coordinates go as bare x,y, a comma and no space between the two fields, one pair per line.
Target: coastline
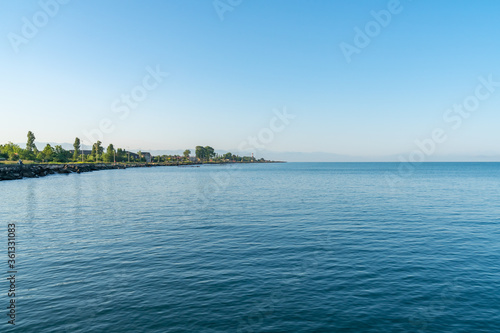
16,171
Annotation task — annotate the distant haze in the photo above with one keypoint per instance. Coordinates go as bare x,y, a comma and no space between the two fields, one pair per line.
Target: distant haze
293,80
304,157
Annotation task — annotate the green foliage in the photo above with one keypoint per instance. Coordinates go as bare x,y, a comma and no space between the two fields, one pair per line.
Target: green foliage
209,152
121,156
204,153
30,145
2,154
97,151
60,155
11,151
48,153
110,154
200,152
76,146
25,154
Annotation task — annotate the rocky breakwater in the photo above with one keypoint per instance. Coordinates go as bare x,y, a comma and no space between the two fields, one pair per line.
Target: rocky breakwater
12,172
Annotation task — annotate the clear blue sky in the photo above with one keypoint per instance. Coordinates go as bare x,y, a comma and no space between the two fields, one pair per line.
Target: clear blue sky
227,76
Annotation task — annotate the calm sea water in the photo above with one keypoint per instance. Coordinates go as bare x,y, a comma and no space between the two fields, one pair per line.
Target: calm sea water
296,247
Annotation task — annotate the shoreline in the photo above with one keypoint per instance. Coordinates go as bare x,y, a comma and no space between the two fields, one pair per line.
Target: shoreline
16,171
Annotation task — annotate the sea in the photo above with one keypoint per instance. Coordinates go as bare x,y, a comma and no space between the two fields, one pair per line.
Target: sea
275,247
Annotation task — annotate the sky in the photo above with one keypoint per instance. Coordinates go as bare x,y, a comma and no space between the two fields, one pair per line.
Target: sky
322,80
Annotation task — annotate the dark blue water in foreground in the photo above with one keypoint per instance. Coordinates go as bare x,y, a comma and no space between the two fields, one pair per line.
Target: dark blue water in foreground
297,247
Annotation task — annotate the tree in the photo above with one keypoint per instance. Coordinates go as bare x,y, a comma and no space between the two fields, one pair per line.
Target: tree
97,150
110,154
100,148
60,154
200,152
30,145
93,152
11,151
48,153
25,154
227,156
2,154
209,152
187,152
120,155
76,145
140,155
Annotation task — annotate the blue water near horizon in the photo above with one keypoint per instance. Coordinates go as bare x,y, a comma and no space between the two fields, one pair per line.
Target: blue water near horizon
295,247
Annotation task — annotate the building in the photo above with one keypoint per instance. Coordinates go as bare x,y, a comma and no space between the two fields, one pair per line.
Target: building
132,155
147,156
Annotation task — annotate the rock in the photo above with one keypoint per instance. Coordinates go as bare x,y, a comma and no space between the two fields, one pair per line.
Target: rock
29,174
12,172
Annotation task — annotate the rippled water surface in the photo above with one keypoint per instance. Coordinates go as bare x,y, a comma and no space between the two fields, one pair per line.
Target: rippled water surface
296,247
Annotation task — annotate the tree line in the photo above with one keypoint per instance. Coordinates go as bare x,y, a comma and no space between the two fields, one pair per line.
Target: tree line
207,154
58,154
